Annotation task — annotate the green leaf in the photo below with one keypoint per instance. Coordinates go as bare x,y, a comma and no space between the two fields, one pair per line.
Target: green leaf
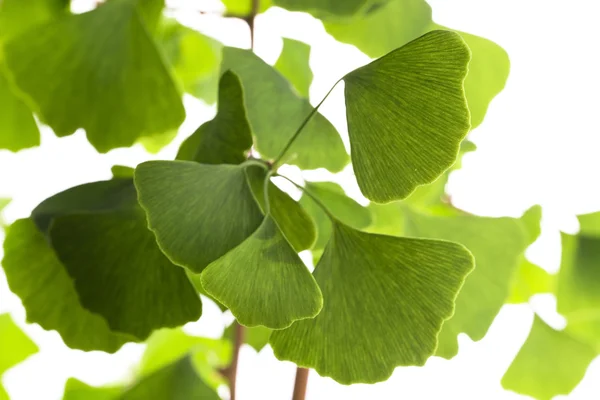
497,245
342,207
99,233
18,16
99,71
256,337
385,300
263,281
243,8
227,138
397,22
549,363
530,280
194,58
177,381
48,293
275,112
122,171
198,212
15,345
325,8
167,345
407,115
293,65
589,224
77,390
295,223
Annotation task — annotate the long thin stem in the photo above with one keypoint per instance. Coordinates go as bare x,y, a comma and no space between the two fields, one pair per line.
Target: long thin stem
302,125
300,384
309,194
231,371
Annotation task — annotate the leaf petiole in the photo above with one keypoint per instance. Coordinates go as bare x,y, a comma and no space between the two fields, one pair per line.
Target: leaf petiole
311,195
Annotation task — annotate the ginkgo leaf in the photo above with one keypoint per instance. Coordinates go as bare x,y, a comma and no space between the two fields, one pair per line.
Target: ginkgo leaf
293,65
326,8
530,280
106,251
256,337
18,129
17,16
15,345
263,281
497,245
198,212
549,363
293,220
227,138
385,299
407,115
122,171
78,390
30,263
275,112
99,71
195,59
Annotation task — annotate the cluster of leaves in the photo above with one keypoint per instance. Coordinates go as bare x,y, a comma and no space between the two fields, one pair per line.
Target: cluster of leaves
111,262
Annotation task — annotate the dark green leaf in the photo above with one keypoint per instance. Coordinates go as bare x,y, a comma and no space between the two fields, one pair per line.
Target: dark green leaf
293,65
549,363
198,212
497,245
99,71
275,112
15,345
407,115
263,281
294,222
385,300
227,138
48,293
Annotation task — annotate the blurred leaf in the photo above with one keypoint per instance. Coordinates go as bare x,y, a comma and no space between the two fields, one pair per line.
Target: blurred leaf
227,138
589,224
48,293
194,58
18,129
293,65
397,22
385,300
407,115
198,212
549,363
99,71
326,8
77,390
295,223
530,280
244,7
257,336
15,345
263,281
106,251
341,206
388,219
275,112
17,16
497,245
122,171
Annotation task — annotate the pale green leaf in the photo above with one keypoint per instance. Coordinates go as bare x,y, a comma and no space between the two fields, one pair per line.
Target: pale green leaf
48,293
15,345
227,138
256,337
293,65
243,8
263,281
407,115
17,16
385,300
122,171
99,71
497,245
77,390
589,224
198,212
326,8
549,363
18,129
275,112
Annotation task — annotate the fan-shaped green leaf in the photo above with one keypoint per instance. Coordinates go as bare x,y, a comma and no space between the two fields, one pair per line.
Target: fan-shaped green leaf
275,112
293,65
48,293
263,281
407,115
198,212
227,138
99,71
294,222
549,363
397,22
385,300
497,245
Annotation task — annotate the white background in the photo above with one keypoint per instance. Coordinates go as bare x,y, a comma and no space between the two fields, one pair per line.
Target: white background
539,144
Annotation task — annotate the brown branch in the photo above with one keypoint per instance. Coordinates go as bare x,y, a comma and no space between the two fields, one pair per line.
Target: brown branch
300,384
231,371
251,18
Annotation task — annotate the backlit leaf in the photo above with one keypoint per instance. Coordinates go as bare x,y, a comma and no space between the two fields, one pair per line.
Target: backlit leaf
385,300
293,65
275,112
77,390
99,71
256,337
18,129
15,345
325,8
407,115
263,281
549,363
198,212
